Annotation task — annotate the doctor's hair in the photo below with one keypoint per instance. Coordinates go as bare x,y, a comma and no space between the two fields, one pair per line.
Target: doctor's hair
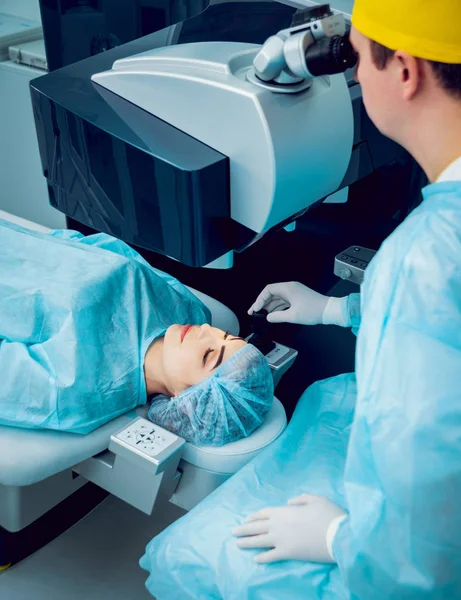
449,76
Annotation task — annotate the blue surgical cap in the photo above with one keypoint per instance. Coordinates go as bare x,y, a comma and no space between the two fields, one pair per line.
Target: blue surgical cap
227,406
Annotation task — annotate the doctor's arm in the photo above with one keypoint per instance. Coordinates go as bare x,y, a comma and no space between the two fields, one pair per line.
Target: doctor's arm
402,537
293,302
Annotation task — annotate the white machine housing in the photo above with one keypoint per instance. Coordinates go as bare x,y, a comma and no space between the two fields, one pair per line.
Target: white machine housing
286,151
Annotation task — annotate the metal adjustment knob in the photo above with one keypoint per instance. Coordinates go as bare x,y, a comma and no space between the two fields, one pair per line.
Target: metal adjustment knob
345,273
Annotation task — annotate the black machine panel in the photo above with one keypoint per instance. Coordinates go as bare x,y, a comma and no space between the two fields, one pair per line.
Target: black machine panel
112,167
115,168
77,29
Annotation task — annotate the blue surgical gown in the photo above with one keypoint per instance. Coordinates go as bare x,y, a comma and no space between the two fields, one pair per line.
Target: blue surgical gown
77,315
385,445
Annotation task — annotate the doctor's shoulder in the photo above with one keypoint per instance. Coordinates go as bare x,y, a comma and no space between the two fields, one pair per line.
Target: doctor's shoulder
424,252
431,256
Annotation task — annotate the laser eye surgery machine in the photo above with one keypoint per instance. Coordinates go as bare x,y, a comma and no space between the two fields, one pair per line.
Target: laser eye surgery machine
194,142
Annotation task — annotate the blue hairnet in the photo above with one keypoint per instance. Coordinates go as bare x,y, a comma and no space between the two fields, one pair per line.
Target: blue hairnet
227,406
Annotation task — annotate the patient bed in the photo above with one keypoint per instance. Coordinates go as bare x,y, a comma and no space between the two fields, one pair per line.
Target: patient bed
39,469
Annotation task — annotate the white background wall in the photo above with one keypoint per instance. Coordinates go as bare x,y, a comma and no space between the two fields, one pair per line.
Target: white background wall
23,189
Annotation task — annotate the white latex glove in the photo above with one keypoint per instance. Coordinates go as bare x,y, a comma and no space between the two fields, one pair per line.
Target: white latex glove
293,302
304,530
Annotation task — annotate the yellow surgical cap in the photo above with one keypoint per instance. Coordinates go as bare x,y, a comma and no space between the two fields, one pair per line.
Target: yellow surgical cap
428,29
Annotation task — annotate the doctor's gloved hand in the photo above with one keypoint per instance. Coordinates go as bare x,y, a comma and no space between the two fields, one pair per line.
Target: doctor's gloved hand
304,530
293,302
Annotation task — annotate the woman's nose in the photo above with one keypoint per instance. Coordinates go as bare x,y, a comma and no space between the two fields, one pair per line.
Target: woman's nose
204,331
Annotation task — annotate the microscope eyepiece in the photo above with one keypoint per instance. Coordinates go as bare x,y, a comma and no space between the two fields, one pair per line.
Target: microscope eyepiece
330,56
317,44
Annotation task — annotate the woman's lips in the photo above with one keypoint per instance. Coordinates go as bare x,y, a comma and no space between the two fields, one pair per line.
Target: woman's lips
184,330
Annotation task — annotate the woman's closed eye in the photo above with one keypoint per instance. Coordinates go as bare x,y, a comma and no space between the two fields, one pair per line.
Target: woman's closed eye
205,356
210,350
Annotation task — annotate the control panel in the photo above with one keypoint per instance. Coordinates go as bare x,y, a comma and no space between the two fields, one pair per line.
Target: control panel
280,360
141,440
350,265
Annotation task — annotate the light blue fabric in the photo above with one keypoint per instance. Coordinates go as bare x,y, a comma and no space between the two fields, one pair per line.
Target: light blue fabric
76,318
196,558
403,474
223,408
398,476
354,312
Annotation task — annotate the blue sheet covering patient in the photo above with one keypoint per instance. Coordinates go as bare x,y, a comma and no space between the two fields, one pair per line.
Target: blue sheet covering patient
79,319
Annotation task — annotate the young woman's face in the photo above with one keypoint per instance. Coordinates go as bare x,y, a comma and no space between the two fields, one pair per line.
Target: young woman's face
193,352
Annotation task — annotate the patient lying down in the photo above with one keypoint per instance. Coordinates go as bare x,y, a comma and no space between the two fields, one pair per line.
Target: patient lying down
209,387
90,331
215,388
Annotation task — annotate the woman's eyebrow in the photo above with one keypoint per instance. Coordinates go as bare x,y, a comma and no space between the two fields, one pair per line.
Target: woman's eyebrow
220,357
221,354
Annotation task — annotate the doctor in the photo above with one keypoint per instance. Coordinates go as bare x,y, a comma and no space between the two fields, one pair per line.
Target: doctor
401,527
368,473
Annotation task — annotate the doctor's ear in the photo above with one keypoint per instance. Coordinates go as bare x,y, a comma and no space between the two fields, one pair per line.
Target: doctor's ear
411,74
